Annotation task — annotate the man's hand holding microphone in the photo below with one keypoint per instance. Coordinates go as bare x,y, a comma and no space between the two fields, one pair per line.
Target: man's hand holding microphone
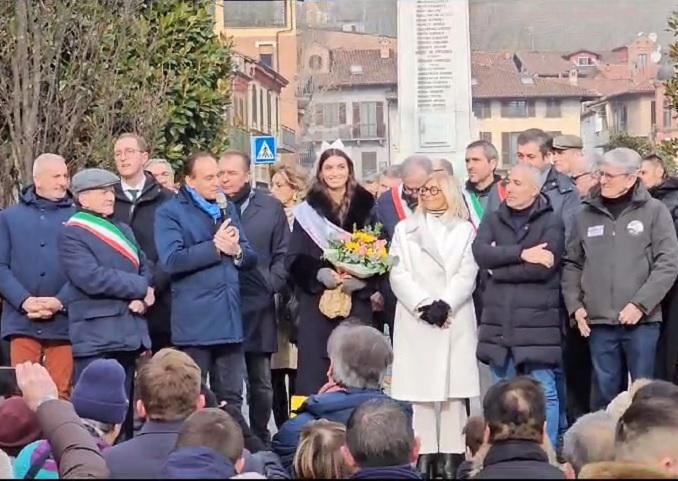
227,239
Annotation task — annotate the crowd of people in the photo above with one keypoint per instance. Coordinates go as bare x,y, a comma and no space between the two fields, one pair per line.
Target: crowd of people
138,309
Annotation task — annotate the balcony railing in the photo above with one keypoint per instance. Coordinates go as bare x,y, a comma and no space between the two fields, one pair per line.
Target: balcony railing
239,139
288,139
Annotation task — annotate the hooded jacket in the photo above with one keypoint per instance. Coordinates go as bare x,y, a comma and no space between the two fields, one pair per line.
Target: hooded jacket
667,192
29,263
612,262
334,406
198,463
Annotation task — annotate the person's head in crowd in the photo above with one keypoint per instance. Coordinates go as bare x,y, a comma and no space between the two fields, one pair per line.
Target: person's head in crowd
289,183
441,194
94,190
210,445
50,176
515,410
201,175
169,387
622,401
443,166
130,152
359,356
589,440
482,159
319,453
535,149
655,388
618,172
415,170
234,173
335,175
522,187
371,184
566,148
647,433
379,434
19,426
474,433
653,171
100,399
584,171
163,172
390,177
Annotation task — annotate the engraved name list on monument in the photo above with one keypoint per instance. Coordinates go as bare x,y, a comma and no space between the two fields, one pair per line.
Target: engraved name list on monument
435,95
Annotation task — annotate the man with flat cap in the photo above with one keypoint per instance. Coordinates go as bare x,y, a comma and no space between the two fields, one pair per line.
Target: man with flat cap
566,149
109,281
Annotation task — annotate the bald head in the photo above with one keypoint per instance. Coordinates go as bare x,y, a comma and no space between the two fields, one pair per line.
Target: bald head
50,176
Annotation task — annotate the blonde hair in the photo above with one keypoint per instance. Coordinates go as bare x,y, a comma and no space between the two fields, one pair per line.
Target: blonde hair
456,207
294,175
319,455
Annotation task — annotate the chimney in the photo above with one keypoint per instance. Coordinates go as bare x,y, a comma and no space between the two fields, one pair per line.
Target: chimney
573,77
384,49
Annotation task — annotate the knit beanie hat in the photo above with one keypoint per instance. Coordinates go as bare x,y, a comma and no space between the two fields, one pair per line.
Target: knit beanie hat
19,426
100,393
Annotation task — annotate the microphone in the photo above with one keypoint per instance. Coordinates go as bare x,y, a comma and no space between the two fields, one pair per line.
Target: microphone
222,202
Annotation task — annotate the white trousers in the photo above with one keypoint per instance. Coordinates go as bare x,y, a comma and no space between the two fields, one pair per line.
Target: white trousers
439,425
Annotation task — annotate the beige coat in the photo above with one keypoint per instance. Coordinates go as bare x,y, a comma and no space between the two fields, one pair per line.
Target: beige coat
433,364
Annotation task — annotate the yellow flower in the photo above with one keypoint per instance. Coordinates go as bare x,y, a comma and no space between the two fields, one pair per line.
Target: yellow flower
382,253
352,246
364,237
370,252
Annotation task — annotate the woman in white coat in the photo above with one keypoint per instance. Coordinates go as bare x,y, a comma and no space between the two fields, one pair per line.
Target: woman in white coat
435,335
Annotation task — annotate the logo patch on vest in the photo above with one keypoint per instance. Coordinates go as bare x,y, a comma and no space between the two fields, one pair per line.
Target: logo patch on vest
635,227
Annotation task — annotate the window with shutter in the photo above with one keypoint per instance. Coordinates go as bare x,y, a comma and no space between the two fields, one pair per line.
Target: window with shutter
530,108
318,118
342,114
505,148
356,120
380,120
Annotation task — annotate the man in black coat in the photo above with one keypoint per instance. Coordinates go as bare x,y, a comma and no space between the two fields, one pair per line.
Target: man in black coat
265,223
654,175
521,245
137,196
515,412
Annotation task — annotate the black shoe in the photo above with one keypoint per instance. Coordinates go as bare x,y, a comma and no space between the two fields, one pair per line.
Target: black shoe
447,465
425,465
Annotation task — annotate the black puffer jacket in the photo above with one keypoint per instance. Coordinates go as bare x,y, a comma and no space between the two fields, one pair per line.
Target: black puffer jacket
521,311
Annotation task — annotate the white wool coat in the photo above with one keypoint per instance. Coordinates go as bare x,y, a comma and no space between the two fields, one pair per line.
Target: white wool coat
435,262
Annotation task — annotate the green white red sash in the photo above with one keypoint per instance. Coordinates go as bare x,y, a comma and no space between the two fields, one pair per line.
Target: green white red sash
107,232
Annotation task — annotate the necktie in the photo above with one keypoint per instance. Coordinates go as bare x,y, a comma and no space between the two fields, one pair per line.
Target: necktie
134,193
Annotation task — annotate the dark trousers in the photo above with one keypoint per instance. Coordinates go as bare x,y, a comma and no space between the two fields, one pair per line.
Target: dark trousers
281,395
611,346
578,374
225,366
259,393
127,360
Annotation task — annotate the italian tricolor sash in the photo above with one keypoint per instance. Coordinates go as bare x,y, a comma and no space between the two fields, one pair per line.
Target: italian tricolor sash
107,232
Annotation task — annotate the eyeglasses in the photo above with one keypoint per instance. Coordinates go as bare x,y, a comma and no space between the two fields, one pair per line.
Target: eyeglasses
575,178
432,191
607,176
410,191
124,153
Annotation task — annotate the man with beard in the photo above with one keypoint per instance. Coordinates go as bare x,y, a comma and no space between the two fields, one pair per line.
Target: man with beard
654,175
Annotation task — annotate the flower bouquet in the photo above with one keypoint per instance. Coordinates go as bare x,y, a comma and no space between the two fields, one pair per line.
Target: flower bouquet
361,254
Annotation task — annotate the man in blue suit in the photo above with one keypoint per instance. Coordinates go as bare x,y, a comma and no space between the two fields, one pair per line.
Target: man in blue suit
202,247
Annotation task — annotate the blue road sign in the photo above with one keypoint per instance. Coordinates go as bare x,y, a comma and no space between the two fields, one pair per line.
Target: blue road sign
263,149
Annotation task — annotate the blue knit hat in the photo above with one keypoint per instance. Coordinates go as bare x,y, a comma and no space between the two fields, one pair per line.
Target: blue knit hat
100,393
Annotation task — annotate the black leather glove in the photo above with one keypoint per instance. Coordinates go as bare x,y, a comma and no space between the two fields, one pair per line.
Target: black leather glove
436,313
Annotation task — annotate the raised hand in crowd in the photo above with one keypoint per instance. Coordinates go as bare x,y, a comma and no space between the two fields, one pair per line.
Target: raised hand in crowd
538,254
35,384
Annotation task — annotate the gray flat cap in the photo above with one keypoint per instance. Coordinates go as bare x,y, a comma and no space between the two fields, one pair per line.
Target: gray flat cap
564,142
89,179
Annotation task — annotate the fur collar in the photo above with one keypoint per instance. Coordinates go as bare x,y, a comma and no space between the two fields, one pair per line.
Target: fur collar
359,210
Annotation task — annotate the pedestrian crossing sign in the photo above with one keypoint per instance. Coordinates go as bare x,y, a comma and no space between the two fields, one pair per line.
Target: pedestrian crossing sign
264,149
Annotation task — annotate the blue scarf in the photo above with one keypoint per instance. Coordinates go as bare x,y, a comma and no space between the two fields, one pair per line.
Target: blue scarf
210,208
